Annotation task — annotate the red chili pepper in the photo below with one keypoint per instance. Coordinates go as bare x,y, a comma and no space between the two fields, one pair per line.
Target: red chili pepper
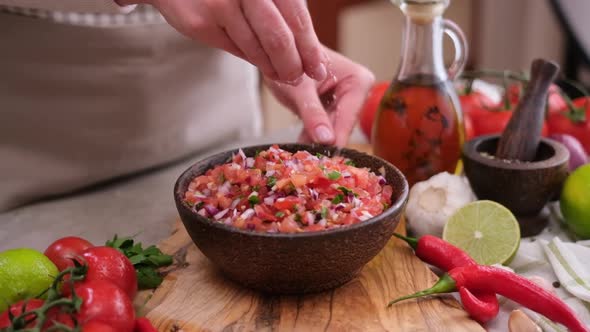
509,284
435,251
143,324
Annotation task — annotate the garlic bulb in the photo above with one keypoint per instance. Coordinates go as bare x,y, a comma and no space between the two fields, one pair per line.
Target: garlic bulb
432,202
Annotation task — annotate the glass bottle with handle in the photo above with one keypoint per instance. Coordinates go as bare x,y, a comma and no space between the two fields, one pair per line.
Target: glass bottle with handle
419,125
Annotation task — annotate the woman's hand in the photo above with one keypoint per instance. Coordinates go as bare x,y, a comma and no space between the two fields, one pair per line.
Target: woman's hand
329,109
277,36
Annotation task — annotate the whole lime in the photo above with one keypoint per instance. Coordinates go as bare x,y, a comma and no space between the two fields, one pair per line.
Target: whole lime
575,202
24,273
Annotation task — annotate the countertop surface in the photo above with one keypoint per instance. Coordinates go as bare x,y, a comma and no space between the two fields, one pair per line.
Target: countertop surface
141,205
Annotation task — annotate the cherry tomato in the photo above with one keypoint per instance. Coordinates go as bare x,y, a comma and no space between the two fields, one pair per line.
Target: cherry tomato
97,326
53,316
475,101
63,250
367,114
106,263
555,102
104,302
561,123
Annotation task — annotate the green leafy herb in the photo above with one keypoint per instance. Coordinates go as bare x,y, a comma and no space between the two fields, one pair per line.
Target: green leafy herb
271,181
347,191
297,217
199,205
257,153
333,175
319,155
385,206
253,199
146,261
324,212
189,203
221,178
349,163
339,198
256,188
280,214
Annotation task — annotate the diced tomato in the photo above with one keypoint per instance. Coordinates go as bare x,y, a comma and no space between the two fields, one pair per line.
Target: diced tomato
286,203
298,180
264,213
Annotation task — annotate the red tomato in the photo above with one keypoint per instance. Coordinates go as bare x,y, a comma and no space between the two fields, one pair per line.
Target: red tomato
63,250
367,114
96,326
560,123
53,315
104,302
468,124
106,263
475,101
555,101
488,122
143,324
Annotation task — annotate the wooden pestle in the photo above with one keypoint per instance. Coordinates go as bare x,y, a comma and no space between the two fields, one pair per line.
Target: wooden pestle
522,135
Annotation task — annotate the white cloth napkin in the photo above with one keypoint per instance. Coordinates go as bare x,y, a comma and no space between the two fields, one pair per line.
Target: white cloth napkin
563,263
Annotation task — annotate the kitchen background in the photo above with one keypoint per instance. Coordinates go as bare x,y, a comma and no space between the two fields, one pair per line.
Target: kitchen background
502,34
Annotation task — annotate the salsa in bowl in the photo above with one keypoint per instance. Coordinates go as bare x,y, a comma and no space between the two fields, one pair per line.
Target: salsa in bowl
292,218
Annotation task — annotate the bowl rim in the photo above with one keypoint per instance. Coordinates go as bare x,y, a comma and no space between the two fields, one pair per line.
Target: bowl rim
561,155
395,207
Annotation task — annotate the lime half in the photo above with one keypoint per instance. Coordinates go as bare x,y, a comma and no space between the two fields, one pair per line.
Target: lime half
486,230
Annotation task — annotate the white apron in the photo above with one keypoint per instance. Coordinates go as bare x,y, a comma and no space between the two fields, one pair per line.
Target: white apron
80,105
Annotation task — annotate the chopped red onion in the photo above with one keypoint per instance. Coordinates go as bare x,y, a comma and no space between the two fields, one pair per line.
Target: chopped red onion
203,212
270,173
220,215
309,217
241,153
250,162
269,200
212,210
254,193
322,222
227,221
224,188
206,192
382,180
346,174
340,206
247,214
314,194
234,203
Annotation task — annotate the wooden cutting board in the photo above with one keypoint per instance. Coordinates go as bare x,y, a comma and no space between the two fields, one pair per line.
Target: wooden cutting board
196,297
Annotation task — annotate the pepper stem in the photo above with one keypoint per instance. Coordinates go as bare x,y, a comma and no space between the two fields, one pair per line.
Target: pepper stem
412,242
445,284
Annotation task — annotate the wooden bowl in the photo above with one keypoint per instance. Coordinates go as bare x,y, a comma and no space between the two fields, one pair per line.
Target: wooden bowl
293,263
523,187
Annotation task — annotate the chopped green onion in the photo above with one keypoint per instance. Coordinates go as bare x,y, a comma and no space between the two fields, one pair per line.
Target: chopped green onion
339,198
271,181
349,163
280,214
256,188
334,175
324,212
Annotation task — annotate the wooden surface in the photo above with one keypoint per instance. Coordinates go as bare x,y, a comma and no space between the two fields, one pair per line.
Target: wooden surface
195,297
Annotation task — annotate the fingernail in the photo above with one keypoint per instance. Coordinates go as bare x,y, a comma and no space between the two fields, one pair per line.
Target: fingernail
319,73
323,134
294,82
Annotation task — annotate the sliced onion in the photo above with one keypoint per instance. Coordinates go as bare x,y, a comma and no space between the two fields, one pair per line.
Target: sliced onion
247,214
220,214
